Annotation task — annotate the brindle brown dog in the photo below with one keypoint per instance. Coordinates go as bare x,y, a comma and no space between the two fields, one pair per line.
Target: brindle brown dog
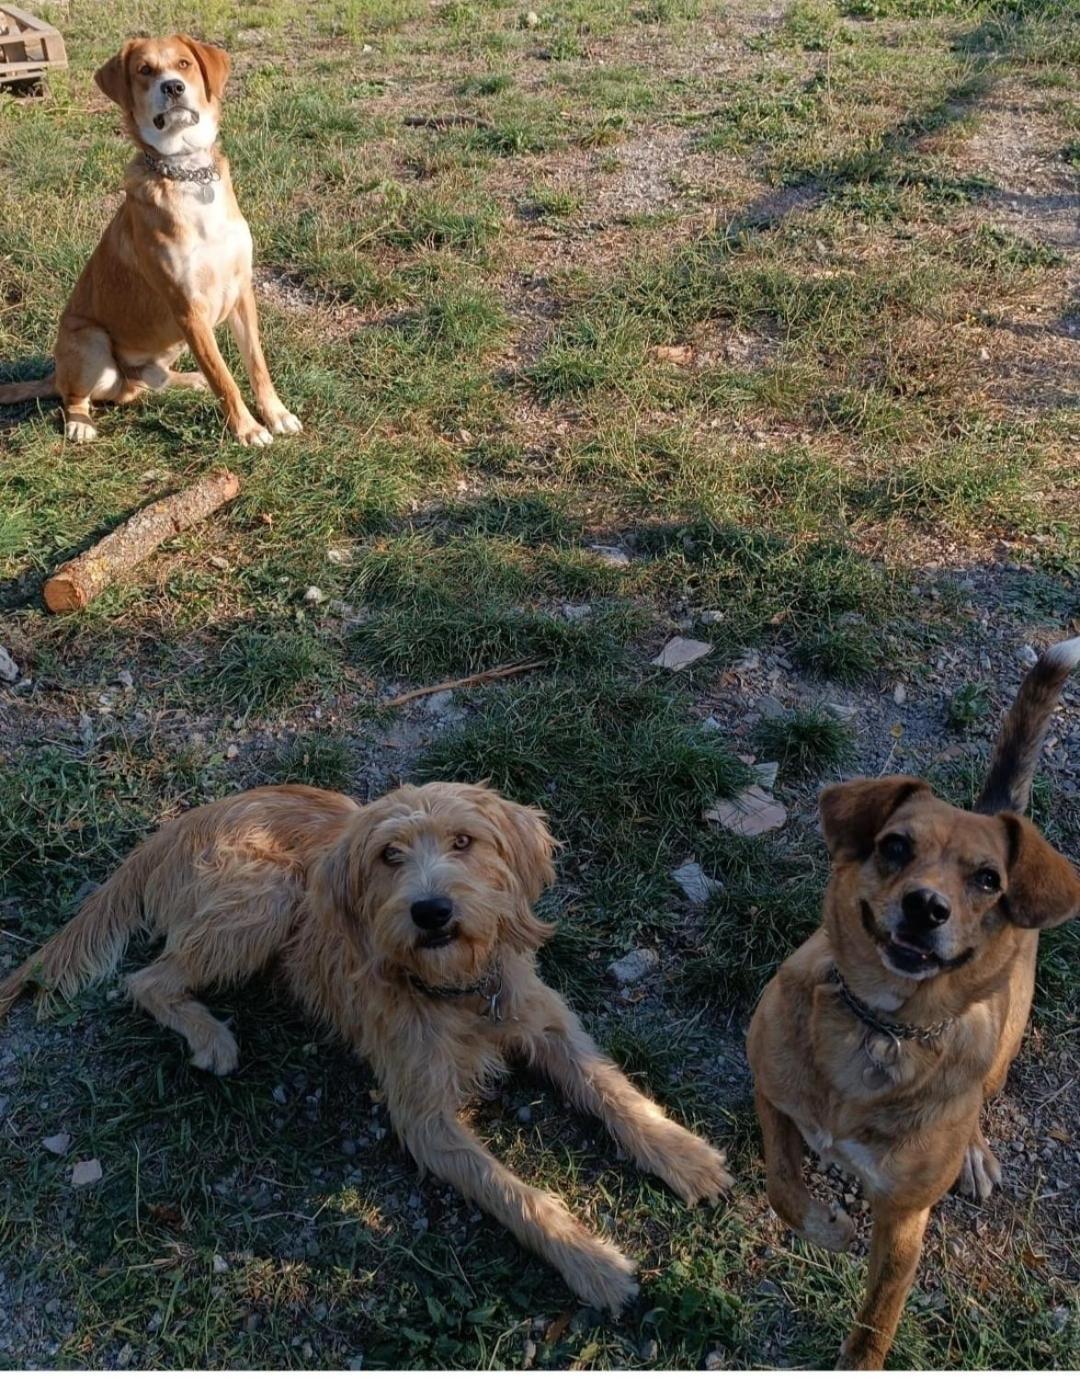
174,262
879,1039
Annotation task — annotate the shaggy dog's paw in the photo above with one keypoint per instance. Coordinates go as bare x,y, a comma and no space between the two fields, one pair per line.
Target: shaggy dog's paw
860,1352
219,1054
80,432
828,1227
602,1277
696,1171
981,1172
284,424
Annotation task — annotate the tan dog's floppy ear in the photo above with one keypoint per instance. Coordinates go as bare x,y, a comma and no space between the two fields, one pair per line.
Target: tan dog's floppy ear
527,845
1043,887
214,63
114,80
854,813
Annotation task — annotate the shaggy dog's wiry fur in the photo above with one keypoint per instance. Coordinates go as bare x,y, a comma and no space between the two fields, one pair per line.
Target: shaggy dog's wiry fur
879,1039
406,926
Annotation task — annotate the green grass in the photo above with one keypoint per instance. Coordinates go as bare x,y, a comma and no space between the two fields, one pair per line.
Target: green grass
736,292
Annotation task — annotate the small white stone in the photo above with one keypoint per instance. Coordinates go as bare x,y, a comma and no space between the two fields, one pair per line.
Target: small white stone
711,616
232,751
899,693
85,1173
313,594
57,1144
681,652
1028,655
632,967
221,1266
694,883
532,20
574,612
9,671
611,555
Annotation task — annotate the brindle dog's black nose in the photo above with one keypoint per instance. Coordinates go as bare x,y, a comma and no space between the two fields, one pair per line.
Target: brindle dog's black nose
926,908
433,912
173,89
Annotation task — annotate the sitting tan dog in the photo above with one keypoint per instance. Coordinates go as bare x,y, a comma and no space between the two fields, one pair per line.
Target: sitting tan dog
174,262
878,1041
406,927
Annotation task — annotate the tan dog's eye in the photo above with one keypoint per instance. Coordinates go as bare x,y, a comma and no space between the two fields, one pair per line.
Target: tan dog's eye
462,842
183,63
986,879
895,849
146,70
392,856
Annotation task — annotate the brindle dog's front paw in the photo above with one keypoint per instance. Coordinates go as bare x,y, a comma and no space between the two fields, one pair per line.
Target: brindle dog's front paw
828,1227
981,1172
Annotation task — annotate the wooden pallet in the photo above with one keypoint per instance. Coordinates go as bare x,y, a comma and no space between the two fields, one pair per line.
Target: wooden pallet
29,48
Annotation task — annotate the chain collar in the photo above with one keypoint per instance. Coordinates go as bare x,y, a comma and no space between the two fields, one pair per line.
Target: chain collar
922,1034
489,987
161,168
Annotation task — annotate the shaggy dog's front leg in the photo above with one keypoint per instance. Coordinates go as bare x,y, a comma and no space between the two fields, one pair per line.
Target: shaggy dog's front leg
690,1166
595,1270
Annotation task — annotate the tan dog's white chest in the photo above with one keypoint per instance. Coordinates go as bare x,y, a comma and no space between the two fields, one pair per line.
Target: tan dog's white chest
211,258
848,1154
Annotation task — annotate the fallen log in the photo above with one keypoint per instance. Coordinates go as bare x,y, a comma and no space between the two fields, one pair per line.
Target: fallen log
78,581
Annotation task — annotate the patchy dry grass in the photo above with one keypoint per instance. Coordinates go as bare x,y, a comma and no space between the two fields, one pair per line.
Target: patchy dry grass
706,319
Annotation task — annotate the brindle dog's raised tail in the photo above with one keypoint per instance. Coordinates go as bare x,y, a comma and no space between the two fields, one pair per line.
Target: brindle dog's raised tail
1016,753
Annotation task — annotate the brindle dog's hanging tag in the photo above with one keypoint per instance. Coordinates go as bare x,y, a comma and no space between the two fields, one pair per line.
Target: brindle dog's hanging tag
883,1051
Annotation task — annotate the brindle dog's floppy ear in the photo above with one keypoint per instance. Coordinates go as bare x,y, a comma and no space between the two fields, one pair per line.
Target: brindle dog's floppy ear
855,812
114,80
214,63
1043,888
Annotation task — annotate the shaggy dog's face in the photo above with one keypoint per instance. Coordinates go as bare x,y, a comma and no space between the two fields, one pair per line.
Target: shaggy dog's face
170,91
926,887
434,878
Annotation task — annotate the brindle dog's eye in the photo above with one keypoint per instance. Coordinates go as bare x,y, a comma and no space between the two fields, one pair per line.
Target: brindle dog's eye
987,879
146,70
461,842
895,849
392,856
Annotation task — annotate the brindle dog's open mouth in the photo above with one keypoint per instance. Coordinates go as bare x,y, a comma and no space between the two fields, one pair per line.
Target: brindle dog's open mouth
904,956
441,938
177,115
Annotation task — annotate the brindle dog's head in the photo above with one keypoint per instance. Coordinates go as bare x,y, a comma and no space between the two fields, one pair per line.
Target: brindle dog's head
926,889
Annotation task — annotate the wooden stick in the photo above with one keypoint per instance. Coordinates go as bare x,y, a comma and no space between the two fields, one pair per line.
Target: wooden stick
82,579
449,121
480,678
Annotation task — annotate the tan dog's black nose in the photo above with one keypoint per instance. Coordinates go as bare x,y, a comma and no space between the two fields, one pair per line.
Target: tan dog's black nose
926,908
173,89
433,912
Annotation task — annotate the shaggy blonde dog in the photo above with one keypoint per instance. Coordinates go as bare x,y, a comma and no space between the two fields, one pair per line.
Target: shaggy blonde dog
406,926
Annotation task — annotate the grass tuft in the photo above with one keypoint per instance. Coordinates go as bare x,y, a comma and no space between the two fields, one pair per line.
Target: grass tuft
807,741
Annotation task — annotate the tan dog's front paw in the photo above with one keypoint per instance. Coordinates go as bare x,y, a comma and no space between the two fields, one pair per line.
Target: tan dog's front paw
218,1054
830,1228
981,1172
284,424
252,432
80,432
601,1276
695,1170
861,1350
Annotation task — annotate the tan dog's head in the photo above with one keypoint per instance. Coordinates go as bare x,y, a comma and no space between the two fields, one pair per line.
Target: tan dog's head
434,878
170,91
926,887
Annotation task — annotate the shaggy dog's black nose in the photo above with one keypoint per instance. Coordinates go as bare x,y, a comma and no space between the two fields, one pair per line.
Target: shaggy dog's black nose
173,89
432,913
926,908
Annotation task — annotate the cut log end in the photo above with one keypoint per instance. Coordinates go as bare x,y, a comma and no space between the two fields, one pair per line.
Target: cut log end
63,595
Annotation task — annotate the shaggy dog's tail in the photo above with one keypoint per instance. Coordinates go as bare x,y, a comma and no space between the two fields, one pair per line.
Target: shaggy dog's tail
1012,767
25,392
91,945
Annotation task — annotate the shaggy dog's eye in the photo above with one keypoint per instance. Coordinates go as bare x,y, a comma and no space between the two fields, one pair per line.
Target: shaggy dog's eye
183,63
462,842
392,856
986,879
895,849
146,70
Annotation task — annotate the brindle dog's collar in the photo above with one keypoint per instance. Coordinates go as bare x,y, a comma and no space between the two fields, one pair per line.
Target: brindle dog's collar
489,987
922,1034
162,168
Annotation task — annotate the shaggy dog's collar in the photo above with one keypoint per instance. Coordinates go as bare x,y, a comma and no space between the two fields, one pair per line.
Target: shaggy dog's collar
489,987
922,1034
